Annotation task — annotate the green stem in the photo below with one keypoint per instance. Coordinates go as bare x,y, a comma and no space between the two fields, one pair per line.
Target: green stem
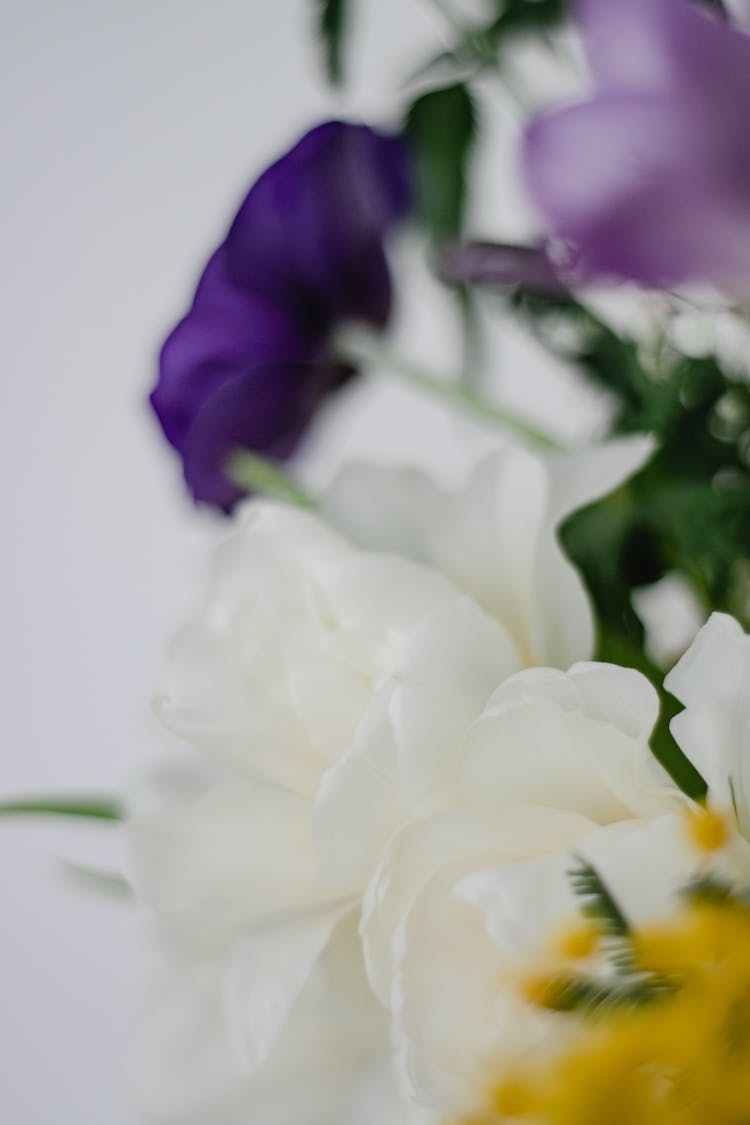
472,349
88,808
360,347
253,473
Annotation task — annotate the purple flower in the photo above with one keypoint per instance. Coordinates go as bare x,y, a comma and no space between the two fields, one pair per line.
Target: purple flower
650,178
252,361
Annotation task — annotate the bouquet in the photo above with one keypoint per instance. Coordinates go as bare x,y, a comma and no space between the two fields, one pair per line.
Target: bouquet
461,831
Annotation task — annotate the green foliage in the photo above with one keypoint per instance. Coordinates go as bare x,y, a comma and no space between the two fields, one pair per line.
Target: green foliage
598,902
711,889
525,15
332,20
480,47
440,127
568,993
688,510
87,808
616,554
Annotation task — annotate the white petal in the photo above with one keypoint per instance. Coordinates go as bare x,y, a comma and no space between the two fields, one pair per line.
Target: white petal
446,674
447,974
333,1043
409,744
269,969
359,804
329,1065
386,509
496,538
276,668
562,626
580,478
576,741
524,903
713,681
648,864
450,842
241,850
672,614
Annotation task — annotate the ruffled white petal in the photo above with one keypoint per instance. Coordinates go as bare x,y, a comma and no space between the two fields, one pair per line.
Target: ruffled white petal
577,741
496,538
274,672
408,748
329,1065
240,850
269,969
713,681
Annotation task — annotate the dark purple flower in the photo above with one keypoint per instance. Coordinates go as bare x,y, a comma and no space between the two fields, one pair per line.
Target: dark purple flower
650,178
252,361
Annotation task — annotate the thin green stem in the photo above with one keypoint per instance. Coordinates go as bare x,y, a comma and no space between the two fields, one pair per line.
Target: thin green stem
361,347
86,808
472,344
253,473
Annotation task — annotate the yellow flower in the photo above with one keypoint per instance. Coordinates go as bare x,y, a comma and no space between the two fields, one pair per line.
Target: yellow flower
682,1058
576,942
708,829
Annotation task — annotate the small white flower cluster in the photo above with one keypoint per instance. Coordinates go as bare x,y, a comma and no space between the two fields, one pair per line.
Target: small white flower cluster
408,742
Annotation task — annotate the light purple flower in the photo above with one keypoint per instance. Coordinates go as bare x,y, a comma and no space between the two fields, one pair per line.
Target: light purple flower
649,179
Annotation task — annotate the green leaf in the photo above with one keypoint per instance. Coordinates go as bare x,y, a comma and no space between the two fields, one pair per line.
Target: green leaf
599,904
477,46
86,808
686,511
332,19
108,883
526,15
569,993
440,128
711,889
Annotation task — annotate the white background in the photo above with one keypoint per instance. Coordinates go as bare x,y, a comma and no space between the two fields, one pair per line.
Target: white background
130,129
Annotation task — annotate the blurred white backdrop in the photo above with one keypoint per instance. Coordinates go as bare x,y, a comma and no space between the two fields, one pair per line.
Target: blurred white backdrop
130,130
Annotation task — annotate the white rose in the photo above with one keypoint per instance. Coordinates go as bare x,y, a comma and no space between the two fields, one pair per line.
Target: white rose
333,686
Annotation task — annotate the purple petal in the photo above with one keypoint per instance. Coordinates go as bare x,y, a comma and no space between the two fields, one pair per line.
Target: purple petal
226,332
650,179
266,408
621,178
311,229
657,44
250,363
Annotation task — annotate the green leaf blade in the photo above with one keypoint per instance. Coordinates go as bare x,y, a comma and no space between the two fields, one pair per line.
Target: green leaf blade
84,808
332,23
598,902
441,128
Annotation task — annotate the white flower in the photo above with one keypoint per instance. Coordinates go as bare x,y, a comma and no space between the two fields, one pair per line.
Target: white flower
556,770
333,685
